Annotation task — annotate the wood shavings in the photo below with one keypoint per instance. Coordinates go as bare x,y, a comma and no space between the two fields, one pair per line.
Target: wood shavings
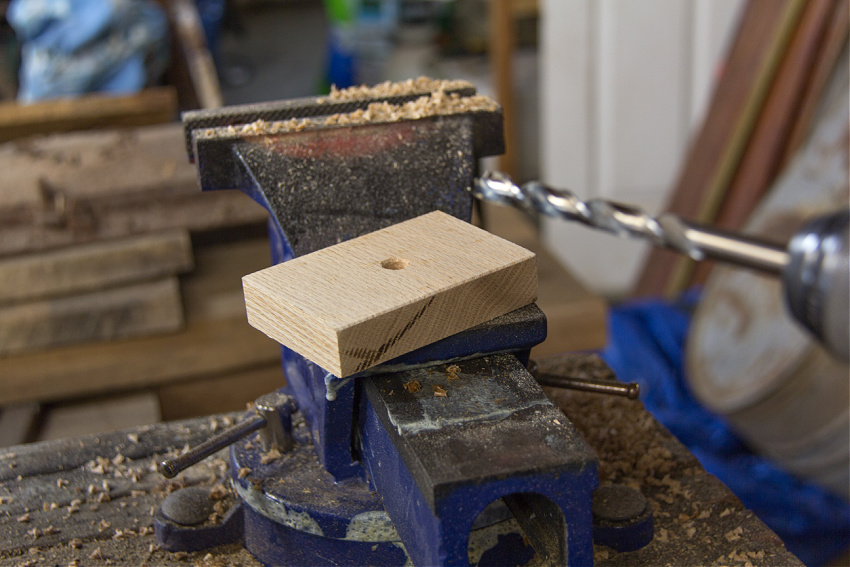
389,88
453,372
6,500
50,530
103,525
433,102
75,543
61,483
243,472
734,535
725,512
219,492
124,534
96,554
439,391
413,386
34,533
23,519
270,456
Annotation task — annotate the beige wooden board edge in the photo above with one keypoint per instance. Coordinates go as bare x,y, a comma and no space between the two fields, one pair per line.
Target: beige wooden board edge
342,308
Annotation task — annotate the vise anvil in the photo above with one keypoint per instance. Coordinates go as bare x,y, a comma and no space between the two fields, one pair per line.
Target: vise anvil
378,473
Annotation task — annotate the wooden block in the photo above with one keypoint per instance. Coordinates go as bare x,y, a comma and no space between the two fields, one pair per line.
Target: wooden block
150,106
94,266
131,311
362,302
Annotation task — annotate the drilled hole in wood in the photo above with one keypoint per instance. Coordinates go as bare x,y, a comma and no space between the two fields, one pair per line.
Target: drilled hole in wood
394,263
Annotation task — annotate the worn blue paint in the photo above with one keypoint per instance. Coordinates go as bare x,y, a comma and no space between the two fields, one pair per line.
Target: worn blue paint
174,537
626,536
435,489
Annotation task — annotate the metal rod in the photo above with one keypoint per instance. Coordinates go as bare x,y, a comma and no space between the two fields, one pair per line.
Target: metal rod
738,249
173,467
629,390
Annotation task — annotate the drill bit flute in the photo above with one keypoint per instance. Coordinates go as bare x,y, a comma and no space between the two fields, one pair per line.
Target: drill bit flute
669,231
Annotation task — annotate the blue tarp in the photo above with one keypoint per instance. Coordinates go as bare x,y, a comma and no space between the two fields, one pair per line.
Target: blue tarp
646,345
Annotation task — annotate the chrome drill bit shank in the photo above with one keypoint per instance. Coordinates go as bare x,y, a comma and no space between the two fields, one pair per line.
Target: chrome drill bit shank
666,230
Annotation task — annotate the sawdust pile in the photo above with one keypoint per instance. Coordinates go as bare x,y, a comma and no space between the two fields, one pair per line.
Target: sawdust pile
438,102
401,88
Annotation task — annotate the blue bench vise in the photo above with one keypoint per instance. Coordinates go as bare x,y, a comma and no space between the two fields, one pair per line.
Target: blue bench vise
366,470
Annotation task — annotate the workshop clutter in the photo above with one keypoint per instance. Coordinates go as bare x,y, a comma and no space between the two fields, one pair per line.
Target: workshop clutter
117,275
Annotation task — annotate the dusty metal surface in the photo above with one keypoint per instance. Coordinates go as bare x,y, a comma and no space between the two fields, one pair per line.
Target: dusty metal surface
698,520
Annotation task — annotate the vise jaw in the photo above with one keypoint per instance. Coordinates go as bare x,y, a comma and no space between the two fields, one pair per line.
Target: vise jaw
380,472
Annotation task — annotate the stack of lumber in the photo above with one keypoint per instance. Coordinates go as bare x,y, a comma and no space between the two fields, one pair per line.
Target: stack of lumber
762,109
118,275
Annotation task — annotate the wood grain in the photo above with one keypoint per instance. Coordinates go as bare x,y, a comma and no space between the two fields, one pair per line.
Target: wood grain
150,106
216,340
87,186
362,302
129,311
94,266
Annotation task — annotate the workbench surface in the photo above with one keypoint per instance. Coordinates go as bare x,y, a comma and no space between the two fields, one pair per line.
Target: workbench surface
89,501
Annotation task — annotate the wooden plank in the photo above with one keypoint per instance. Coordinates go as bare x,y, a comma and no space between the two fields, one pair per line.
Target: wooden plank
17,423
81,187
502,43
150,106
205,348
763,156
751,64
218,394
576,317
130,311
192,62
216,340
94,266
100,415
351,306
834,44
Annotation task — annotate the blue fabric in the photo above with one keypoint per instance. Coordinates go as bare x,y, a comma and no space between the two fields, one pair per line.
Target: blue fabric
73,47
646,345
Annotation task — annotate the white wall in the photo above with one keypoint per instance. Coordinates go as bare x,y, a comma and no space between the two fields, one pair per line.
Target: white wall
622,85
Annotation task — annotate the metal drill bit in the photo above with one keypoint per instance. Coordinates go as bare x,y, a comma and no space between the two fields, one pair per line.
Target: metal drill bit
666,230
